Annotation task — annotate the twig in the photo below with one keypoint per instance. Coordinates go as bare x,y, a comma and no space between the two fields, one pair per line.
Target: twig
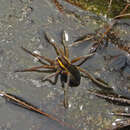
118,100
20,102
121,114
111,25
109,6
121,15
122,12
59,6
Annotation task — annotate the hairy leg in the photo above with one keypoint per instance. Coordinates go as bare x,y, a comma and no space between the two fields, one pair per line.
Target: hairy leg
83,58
66,92
51,69
102,84
58,50
39,57
64,41
81,40
50,76
52,82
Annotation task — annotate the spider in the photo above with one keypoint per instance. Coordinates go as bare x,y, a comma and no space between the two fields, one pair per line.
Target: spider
70,74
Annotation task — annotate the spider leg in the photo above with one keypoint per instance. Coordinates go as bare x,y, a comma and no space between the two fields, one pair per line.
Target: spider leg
39,57
81,40
66,91
52,82
83,58
38,67
40,71
58,50
46,78
101,83
64,41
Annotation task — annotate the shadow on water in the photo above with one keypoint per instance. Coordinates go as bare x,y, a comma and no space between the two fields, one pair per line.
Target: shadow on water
23,23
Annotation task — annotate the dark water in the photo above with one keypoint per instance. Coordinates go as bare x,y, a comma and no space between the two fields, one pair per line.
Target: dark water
23,23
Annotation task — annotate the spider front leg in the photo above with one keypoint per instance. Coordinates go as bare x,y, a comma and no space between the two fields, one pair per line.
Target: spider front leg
58,50
82,39
65,39
83,58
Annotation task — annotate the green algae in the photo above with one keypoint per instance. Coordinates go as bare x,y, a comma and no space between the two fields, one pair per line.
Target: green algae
100,7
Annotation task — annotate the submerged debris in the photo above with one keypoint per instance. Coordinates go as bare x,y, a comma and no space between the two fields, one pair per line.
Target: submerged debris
121,124
118,63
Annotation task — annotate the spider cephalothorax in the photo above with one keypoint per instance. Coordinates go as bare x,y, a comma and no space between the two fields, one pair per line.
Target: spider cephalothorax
61,65
67,67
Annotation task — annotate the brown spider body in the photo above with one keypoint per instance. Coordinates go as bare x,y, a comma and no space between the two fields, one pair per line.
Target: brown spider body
62,65
74,80
67,67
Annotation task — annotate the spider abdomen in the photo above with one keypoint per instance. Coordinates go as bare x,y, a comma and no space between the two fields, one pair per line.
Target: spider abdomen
74,76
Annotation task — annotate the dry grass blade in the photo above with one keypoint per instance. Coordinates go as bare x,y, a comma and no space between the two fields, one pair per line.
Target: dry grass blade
121,15
109,6
126,7
108,29
20,102
121,114
116,100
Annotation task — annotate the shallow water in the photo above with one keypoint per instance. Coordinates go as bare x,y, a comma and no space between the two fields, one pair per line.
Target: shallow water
23,23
